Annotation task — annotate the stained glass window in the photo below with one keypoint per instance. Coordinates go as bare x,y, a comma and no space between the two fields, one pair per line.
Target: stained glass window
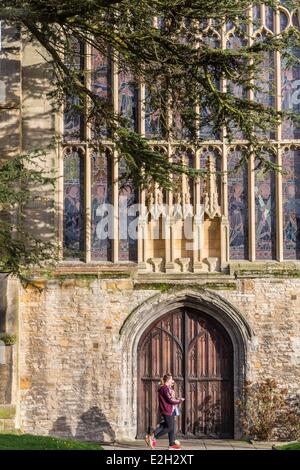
102,213
296,19
290,82
236,42
265,215
188,160
73,118
233,37
127,219
266,85
265,93
73,205
206,130
291,203
153,125
128,99
101,83
269,18
284,21
237,207
179,129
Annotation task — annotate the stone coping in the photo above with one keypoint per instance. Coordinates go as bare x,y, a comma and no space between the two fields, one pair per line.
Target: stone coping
235,270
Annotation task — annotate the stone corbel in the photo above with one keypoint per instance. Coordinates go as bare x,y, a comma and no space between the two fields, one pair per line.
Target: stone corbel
213,263
184,264
156,263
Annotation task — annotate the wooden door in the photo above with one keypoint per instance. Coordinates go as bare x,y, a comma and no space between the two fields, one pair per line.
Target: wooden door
198,352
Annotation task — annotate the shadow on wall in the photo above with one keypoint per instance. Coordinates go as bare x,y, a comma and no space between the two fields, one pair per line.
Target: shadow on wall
61,428
92,426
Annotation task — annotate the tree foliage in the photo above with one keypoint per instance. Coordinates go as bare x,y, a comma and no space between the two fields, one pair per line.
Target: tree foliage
175,60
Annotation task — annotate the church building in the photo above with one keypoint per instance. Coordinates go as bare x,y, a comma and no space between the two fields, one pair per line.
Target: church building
202,281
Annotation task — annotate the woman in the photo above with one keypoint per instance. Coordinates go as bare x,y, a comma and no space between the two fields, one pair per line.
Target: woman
167,404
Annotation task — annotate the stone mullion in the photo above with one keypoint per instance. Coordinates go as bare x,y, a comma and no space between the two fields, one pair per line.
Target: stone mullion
87,205
279,208
278,76
251,174
142,231
223,81
224,210
142,226
87,166
182,201
60,201
279,205
251,203
198,220
169,222
224,179
115,165
169,232
142,241
59,126
224,186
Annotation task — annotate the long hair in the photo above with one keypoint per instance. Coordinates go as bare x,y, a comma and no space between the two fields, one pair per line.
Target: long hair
164,379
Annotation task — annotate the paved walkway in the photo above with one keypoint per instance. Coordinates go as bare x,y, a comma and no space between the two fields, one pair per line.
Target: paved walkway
197,444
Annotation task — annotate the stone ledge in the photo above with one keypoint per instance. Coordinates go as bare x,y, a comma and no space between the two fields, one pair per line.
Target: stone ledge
234,270
166,286
195,277
265,269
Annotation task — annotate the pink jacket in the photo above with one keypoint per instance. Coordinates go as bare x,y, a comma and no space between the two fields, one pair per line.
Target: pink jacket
166,402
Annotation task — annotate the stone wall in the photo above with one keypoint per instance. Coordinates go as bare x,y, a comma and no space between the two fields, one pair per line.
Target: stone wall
72,356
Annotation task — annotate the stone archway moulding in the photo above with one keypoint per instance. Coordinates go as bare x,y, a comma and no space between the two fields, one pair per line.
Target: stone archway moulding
148,312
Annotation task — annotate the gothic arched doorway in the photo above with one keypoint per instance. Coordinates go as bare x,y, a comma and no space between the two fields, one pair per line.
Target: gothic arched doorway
197,350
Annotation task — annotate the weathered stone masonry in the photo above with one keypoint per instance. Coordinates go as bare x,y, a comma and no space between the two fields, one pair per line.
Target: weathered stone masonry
72,357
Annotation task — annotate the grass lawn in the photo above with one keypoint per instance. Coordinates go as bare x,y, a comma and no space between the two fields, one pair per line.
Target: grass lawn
292,446
30,442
